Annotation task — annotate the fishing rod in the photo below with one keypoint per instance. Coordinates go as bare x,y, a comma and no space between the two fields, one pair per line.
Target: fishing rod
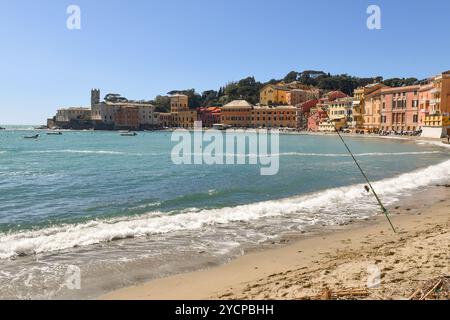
385,211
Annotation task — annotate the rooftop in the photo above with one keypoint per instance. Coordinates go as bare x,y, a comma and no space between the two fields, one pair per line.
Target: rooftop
238,104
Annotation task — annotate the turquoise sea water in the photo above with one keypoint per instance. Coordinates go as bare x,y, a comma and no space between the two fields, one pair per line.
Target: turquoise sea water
95,197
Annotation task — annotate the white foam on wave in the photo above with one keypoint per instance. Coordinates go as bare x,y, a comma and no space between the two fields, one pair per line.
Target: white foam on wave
331,155
368,154
320,206
107,152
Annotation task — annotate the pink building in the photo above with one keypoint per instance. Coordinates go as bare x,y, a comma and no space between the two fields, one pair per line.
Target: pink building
317,115
303,113
209,116
400,109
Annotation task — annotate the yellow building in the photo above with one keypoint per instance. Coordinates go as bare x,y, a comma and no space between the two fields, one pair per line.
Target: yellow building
436,126
358,108
184,118
273,95
332,125
276,117
360,114
179,102
440,94
342,110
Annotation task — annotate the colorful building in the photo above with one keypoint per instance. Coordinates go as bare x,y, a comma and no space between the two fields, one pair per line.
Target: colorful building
372,111
299,96
179,102
274,117
436,123
184,119
304,112
329,125
341,109
237,113
274,95
317,115
424,102
359,112
209,116
400,109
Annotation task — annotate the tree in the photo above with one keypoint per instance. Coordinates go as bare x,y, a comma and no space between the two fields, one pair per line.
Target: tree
291,77
162,103
400,82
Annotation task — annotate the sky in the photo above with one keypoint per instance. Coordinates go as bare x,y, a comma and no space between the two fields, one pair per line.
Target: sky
142,48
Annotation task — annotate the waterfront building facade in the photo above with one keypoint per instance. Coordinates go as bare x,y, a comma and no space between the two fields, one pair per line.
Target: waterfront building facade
436,123
127,117
209,116
342,110
400,109
317,115
304,112
237,113
372,111
184,118
166,119
273,117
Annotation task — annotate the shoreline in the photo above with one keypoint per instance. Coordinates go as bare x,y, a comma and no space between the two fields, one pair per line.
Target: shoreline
334,260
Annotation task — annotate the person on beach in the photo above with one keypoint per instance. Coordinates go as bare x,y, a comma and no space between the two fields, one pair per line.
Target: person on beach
448,138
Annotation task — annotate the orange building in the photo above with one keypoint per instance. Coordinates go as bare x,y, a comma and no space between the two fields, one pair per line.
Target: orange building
276,117
372,111
237,114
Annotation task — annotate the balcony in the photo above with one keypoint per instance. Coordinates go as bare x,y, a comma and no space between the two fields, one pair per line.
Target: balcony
434,102
435,90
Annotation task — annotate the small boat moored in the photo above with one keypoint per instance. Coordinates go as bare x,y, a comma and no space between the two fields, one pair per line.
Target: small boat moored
54,133
36,136
128,134
1,128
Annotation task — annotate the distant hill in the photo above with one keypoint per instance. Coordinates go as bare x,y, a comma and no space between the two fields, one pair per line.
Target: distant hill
248,88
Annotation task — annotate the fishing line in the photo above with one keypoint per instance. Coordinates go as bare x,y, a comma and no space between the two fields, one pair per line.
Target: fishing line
385,211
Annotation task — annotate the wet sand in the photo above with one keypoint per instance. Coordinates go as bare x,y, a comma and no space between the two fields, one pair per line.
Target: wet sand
341,260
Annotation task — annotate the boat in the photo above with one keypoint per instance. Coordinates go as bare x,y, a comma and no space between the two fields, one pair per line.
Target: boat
1,128
128,134
36,136
54,133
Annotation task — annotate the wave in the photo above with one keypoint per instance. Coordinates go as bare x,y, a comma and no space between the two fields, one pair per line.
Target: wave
320,207
369,154
310,154
107,152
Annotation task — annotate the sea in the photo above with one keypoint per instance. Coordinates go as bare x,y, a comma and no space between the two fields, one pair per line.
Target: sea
88,212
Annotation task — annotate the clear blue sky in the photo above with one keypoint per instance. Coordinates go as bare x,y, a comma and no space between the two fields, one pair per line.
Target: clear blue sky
149,47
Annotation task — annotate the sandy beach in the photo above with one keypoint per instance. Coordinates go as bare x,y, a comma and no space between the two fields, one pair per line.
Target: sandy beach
337,261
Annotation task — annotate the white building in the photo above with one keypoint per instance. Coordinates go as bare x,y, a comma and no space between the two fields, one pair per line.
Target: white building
73,113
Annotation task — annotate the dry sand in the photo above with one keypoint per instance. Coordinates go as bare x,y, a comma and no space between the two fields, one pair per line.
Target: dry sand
337,261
